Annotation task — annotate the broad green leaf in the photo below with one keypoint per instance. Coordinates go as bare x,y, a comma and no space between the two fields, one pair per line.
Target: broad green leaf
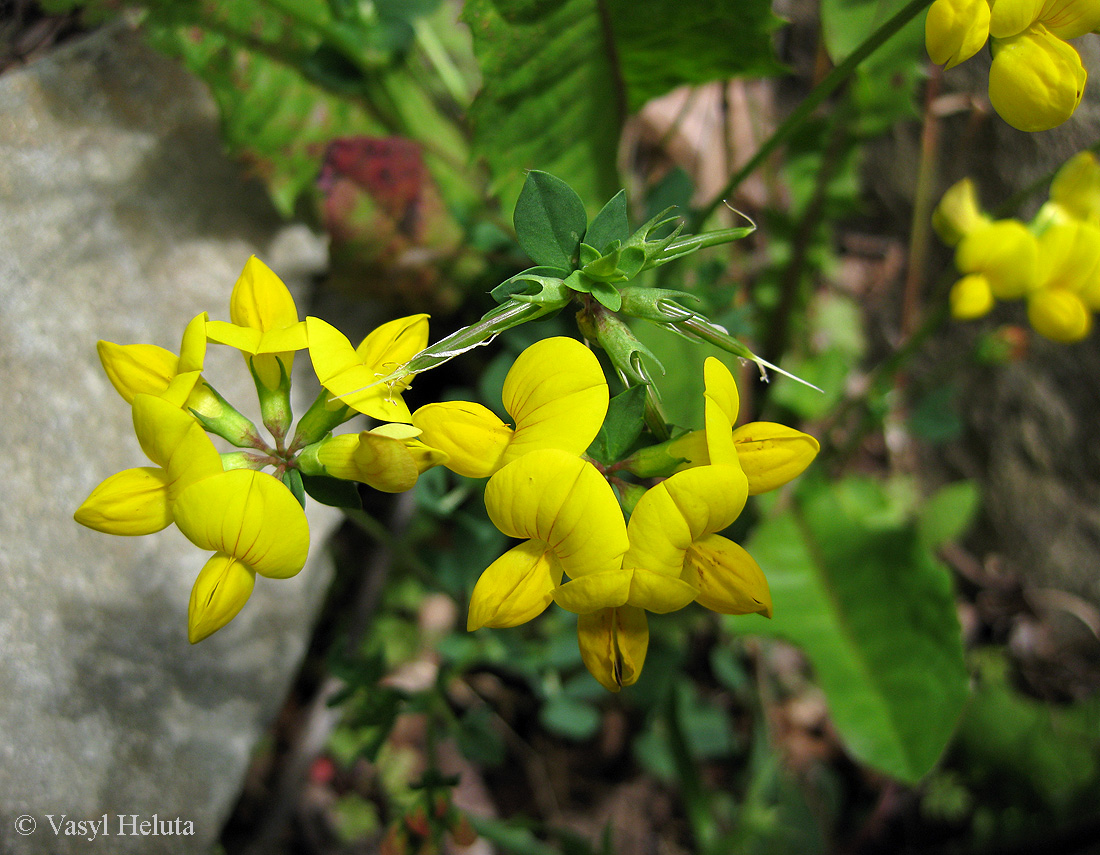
948,513
662,46
566,716
610,224
874,612
578,66
550,221
621,427
846,23
334,492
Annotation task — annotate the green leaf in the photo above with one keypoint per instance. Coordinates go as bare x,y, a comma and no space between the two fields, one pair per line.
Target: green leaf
334,492
532,282
846,23
566,716
695,41
606,294
875,614
550,221
948,514
292,478
609,225
621,427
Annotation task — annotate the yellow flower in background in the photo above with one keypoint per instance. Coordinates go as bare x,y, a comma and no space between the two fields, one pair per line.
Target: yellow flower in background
555,393
1036,80
971,297
1006,253
352,374
570,522
265,325
1059,314
955,30
958,213
613,645
1076,187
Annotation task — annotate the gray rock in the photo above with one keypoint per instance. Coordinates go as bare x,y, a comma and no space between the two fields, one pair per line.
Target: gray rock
121,218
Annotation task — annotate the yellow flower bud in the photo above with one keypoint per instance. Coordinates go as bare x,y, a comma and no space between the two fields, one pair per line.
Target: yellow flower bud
1036,80
971,298
955,30
1059,315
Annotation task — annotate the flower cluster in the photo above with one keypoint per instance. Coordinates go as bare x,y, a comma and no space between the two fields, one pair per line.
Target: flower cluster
577,550
251,520
1036,79
1053,262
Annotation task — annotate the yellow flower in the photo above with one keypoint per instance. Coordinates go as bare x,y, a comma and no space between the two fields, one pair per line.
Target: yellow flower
135,369
265,325
971,297
1059,314
139,501
570,522
1006,253
1076,186
1066,19
555,393
388,458
222,588
351,374
613,645
1036,80
955,30
958,213
769,454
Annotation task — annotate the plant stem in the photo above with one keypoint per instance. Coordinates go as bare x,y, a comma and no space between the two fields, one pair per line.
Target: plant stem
810,103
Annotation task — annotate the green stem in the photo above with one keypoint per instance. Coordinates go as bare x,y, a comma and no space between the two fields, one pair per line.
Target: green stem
819,93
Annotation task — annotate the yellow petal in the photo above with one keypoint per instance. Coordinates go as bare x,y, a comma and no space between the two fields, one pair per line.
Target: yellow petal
1076,187
772,454
678,511
341,370
244,339
595,591
557,395
1006,253
248,515
1009,17
561,500
393,344
958,213
260,300
971,297
193,345
472,436
222,588
1036,80
1069,19
1069,253
515,588
613,645
136,369
955,30
1059,315
721,405
131,502
692,447
383,462
728,578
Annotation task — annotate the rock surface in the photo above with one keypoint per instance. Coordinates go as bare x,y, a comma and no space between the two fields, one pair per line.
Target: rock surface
120,218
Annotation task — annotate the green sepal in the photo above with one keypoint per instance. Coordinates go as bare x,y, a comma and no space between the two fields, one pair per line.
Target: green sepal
319,420
646,303
604,268
610,225
550,220
292,478
622,348
242,460
274,403
534,285
682,246
654,461
621,427
334,492
651,248
229,424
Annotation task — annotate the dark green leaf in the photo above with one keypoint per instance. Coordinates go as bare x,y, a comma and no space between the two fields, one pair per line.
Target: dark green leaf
875,614
335,492
621,427
550,221
566,716
607,295
292,478
610,224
